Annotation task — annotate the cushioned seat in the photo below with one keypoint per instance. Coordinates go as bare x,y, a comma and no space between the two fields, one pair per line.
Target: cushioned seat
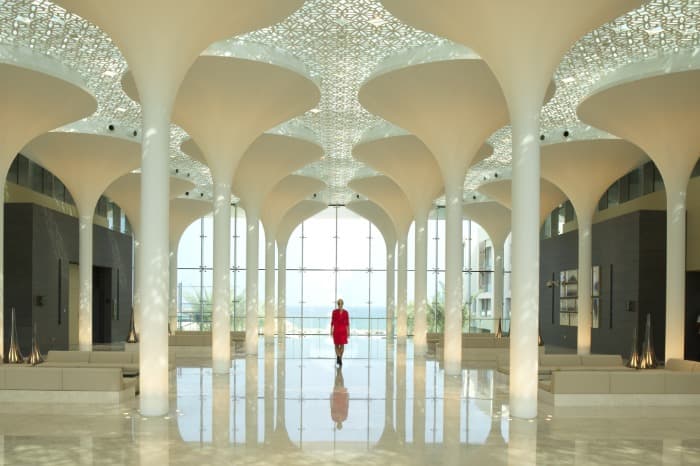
21,377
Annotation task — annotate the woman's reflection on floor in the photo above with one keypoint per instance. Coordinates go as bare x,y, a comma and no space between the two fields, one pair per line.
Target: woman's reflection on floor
340,400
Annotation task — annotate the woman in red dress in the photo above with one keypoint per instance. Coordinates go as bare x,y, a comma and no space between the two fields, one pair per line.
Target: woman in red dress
340,329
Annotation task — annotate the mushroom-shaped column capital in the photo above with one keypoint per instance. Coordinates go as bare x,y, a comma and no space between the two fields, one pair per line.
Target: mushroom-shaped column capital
522,42
183,212
126,192
85,163
550,195
267,162
492,216
35,102
384,192
161,38
452,106
660,114
379,218
286,194
300,212
225,119
406,160
583,170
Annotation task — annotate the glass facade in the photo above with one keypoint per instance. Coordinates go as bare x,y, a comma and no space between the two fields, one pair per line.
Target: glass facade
337,254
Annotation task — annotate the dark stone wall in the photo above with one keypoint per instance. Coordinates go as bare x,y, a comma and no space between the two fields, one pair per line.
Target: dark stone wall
631,253
40,243
19,225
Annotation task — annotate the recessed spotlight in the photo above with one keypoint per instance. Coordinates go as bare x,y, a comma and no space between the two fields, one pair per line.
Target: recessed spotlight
110,127
566,133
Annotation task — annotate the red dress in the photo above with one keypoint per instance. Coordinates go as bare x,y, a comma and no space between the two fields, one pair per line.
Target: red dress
340,323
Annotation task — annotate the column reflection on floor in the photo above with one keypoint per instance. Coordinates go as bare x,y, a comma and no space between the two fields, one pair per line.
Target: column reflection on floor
384,397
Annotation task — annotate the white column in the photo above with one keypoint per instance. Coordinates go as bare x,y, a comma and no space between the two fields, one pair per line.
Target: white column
172,312
136,283
153,438
585,282
390,291
525,259
419,400
675,265
498,291
281,288
154,268
2,268
420,301
522,442
221,410
269,285
401,288
221,296
85,273
453,275
251,282
251,401
451,418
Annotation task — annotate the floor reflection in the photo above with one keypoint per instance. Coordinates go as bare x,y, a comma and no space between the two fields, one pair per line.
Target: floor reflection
289,405
380,393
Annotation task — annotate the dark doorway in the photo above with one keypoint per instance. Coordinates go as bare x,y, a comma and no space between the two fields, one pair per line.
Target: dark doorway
101,305
692,314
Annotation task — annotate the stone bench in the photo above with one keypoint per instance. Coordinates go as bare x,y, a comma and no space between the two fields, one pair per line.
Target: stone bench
549,363
128,362
676,385
40,384
189,344
189,338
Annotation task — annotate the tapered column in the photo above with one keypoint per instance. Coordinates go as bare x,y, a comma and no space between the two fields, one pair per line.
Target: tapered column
85,273
419,400
281,288
522,442
675,264
221,299
451,420
154,261
2,268
453,276
498,270
525,258
401,288
172,309
251,282
420,301
269,285
221,410
390,291
251,401
585,282
136,297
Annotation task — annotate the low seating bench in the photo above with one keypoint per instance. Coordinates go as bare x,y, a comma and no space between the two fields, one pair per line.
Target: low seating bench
549,363
676,385
189,338
22,383
128,362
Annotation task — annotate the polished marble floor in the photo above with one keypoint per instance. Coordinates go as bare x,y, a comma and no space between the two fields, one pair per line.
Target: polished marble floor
289,405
